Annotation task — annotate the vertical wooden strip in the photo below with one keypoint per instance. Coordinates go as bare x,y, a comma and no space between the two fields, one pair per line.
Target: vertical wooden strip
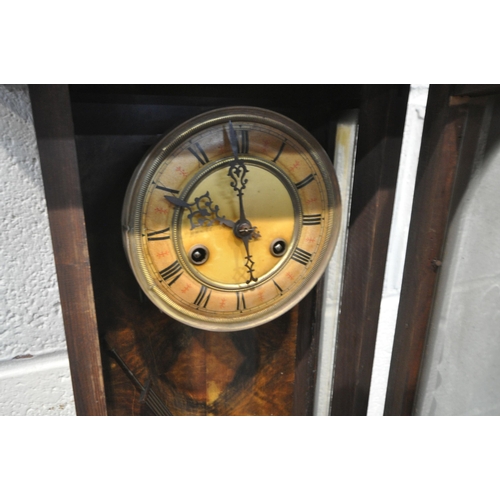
56,145
381,124
306,354
441,140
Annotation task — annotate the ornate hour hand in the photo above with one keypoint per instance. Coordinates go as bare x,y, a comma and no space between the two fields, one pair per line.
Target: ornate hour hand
201,211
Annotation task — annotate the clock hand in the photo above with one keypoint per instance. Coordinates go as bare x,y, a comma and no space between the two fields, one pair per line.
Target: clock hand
243,228
248,259
237,172
203,212
177,201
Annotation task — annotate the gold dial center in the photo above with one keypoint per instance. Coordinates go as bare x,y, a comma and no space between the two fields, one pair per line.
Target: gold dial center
269,207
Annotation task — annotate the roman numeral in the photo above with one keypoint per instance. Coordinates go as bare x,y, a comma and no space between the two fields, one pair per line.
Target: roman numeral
301,256
199,153
240,301
201,296
163,234
311,220
163,188
243,145
280,151
172,271
278,287
305,181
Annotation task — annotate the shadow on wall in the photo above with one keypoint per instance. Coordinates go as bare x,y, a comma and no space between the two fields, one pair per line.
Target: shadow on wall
461,371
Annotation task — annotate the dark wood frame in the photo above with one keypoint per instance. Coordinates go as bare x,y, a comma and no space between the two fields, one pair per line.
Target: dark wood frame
56,145
382,113
446,154
381,125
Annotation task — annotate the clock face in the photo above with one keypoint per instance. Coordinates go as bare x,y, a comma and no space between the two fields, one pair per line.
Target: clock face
231,219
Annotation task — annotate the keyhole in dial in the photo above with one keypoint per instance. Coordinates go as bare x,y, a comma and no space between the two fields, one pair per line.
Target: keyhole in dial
278,247
198,254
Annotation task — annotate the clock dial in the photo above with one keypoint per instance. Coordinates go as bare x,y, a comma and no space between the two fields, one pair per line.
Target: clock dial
231,219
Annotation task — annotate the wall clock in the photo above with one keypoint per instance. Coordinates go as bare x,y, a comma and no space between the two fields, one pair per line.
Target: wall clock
231,219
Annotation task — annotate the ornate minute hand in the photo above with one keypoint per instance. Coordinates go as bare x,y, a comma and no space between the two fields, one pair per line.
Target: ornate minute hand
237,171
243,228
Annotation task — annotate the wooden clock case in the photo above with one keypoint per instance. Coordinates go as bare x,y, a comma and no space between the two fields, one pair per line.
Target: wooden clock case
126,357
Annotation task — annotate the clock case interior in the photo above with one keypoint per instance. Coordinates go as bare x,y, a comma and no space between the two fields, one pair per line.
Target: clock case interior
153,365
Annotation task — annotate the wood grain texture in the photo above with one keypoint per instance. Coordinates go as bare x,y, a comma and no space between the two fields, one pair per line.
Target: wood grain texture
381,124
194,372
54,131
439,155
474,90
307,351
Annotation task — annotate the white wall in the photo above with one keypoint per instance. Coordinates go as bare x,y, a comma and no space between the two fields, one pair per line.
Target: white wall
34,368
461,369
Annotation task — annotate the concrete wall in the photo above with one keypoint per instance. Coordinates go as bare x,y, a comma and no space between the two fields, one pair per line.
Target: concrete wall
34,369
